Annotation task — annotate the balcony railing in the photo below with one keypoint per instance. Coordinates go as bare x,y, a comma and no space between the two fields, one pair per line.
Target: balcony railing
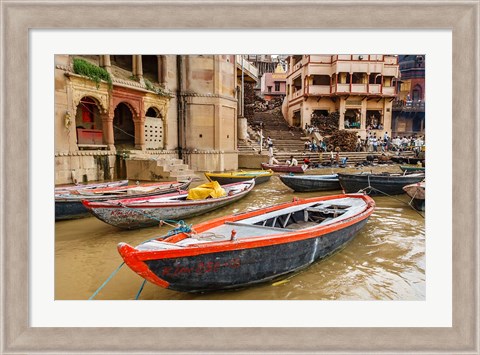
374,88
319,89
249,69
408,105
297,93
359,88
324,59
389,91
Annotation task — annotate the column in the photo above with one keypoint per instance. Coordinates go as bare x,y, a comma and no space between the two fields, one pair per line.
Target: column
139,68
139,133
107,65
342,110
107,126
162,70
363,116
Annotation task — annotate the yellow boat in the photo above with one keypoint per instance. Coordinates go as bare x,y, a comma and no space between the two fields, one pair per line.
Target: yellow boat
260,176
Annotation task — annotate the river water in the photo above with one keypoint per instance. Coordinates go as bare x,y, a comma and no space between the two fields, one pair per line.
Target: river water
385,261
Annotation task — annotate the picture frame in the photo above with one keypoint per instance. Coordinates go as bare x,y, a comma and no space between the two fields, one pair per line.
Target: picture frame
19,17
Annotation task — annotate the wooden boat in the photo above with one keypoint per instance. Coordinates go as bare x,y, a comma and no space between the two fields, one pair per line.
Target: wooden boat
150,211
384,183
251,247
260,176
409,160
417,193
69,205
100,185
310,183
284,168
411,168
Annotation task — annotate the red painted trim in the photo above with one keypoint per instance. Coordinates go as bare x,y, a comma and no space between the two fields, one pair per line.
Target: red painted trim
255,242
129,255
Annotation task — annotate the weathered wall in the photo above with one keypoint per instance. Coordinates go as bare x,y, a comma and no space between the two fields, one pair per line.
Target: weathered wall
212,160
84,166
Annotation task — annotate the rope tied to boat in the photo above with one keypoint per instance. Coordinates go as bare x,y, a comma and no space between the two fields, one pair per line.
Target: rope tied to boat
106,281
370,188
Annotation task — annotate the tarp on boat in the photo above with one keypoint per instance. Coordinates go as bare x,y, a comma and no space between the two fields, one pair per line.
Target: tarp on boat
210,189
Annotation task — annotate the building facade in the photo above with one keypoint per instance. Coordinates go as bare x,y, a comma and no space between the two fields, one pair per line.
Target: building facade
361,88
274,85
169,106
409,107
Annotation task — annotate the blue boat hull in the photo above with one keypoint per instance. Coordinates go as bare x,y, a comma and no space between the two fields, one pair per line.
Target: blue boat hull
242,268
308,184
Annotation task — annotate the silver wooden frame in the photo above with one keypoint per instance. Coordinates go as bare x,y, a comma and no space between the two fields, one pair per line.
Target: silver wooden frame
20,16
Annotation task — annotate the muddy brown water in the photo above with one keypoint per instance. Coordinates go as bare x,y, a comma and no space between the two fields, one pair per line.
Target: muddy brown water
385,261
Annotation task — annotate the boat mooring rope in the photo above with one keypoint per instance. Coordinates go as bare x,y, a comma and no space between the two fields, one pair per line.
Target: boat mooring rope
141,289
106,281
371,188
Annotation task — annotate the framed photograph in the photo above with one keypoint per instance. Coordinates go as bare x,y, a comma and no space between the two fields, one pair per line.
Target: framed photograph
34,320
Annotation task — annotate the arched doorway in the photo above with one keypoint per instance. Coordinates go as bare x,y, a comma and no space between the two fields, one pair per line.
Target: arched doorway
88,123
123,127
154,129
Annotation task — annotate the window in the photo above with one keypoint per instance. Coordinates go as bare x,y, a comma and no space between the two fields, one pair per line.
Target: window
277,86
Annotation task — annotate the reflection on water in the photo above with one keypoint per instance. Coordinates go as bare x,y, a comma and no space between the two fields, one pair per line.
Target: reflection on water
385,261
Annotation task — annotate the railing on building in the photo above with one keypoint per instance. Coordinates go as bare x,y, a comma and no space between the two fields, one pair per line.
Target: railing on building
403,105
319,89
249,69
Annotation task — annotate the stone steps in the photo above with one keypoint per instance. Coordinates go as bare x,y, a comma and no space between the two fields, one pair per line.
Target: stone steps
314,157
147,167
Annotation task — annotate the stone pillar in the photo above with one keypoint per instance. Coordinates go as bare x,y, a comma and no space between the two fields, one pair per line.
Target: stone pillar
342,109
107,64
139,133
134,66
363,115
242,128
163,71
107,126
139,68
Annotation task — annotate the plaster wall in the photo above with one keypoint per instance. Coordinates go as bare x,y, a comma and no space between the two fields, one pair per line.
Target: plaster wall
212,160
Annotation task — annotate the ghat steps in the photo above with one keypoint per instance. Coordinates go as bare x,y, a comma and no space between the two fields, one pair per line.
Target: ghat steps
284,137
144,166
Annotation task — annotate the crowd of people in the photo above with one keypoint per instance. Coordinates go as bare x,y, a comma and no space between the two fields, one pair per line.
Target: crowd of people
386,143
313,146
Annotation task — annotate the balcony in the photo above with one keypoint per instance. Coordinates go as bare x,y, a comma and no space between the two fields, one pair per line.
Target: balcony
318,90
374,88
388,91
248,69
321,59
409,106
343,88
297,93
359,88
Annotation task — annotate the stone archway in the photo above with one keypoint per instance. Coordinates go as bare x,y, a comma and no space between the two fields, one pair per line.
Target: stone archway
124,127
154,129
89,122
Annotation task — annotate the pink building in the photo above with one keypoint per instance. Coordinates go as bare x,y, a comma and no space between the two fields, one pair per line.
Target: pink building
273,85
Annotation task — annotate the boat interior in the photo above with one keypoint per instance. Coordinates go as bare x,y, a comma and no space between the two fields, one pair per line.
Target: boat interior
291,219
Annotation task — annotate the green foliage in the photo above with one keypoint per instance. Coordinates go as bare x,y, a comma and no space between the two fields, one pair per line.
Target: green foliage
158,90
93,72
